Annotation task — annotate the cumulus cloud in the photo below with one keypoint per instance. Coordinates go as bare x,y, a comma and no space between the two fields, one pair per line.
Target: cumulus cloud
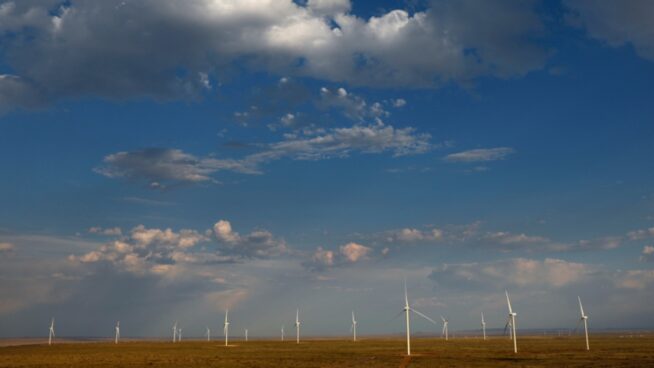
617,22
17,93
349,253
480,155
517,272
507,241
635,279
6,247
410,235
161,167
647,254
51,44
353,106
258,243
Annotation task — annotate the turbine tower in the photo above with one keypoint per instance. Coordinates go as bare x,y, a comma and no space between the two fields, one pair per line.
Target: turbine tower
406,310
510,323
117,328
175,331
583,318
353,328
297,326
282,332
246,335
445,330
179,334
226,327
51,335
483,325
208,334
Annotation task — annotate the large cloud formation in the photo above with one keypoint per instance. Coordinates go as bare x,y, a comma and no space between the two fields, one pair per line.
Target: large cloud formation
170,49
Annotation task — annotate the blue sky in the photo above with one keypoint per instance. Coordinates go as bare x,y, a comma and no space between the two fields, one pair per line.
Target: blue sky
163,161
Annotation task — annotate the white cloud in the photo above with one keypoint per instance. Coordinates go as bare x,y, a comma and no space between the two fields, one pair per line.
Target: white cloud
451,41
6,247
413,235
354,252
400,102
161,167
480,155
635,279
258,243
114,231
516,272
648,254
617,22
349,253
641,234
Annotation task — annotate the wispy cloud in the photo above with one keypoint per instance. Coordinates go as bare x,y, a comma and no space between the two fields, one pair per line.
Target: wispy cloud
480,155
161,167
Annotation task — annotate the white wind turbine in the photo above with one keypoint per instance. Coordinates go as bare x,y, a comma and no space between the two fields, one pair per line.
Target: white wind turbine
51,335
282,332
117,328
406,310
208,334
226,327
510,323
483,325
297,326
175,331
246,335
179,334
445,330
583,318
353,328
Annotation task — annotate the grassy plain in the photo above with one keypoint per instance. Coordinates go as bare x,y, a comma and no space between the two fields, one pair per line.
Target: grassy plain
606,351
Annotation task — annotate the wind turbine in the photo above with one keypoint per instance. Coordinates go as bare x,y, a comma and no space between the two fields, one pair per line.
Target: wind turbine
406,310
353,328
179,334
510,323
175,331
297,326
583,318
445,331
483,325
282,332
226,327
208,334
51,335
246,335
117,328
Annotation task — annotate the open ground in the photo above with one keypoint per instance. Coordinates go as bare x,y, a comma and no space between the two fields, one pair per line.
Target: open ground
606,351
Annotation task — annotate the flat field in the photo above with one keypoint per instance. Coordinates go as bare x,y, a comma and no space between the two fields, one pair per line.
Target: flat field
606,351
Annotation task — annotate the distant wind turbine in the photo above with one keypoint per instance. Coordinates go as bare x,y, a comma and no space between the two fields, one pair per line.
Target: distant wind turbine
282,332
510,323
226,327
297,326
117,328
246,335
406,310
583,318
208,334
179,334
445,330
353,328
51,335
175,331
483,325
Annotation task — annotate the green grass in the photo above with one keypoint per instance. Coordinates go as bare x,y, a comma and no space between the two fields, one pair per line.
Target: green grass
607,351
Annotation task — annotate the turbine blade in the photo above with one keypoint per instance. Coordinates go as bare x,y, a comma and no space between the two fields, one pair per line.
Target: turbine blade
423,316
508,301
581,308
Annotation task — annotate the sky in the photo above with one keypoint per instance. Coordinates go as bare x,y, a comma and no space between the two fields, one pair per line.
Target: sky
164,160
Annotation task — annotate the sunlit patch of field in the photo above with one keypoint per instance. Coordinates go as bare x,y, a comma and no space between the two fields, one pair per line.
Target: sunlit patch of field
606,351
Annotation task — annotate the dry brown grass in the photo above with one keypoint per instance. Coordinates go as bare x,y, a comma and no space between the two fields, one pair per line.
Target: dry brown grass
607,351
